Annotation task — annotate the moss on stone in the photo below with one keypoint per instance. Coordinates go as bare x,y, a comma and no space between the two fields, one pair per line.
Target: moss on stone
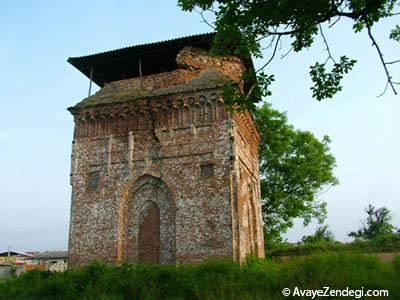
209,78
115,97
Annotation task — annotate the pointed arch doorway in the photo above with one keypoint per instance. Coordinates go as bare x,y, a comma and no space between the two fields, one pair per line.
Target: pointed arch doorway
149,233
148,222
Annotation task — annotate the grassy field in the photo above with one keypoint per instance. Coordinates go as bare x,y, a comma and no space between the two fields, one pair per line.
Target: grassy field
257,279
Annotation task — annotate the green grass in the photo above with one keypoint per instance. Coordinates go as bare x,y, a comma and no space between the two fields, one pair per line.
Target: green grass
258,279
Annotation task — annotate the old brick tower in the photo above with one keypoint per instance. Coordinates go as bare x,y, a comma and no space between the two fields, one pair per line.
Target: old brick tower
161,171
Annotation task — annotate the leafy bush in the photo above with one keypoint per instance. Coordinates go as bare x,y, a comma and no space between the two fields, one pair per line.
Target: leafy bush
256,279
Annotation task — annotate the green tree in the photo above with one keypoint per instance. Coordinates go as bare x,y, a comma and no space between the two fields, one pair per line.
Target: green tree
246,27
322,234
294,168
378,224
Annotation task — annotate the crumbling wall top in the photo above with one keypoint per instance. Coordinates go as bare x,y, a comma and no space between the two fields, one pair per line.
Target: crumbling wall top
197,69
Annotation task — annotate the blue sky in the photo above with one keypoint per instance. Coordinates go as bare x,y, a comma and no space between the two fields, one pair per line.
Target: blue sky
37,85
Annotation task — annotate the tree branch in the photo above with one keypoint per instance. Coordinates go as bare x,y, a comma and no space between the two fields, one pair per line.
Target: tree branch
287,53
375,44
334,23
272,56
327,46
392,62
204,19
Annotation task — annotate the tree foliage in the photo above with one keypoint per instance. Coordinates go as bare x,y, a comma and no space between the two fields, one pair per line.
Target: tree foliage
377,224
245,28
294,167
322,234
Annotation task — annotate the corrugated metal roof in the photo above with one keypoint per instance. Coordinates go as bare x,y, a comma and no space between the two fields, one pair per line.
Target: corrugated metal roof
124,63
207,36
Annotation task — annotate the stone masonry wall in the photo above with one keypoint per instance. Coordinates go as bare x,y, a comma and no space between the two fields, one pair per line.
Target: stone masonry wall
170,178
248,237
111,153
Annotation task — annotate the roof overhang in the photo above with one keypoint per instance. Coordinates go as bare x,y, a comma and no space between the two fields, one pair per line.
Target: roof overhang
126,62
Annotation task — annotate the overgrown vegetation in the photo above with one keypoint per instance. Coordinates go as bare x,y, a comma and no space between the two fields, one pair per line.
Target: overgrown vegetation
258,279
384,243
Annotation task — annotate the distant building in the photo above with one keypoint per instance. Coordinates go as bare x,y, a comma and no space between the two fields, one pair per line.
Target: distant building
13,257
55,261
15,263
12,263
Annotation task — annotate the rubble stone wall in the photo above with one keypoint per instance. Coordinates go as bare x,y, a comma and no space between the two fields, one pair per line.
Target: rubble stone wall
250,238
170,178
113,153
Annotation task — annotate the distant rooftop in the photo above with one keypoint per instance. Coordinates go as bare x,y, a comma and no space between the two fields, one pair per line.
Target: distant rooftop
52,254
13,253
124,63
